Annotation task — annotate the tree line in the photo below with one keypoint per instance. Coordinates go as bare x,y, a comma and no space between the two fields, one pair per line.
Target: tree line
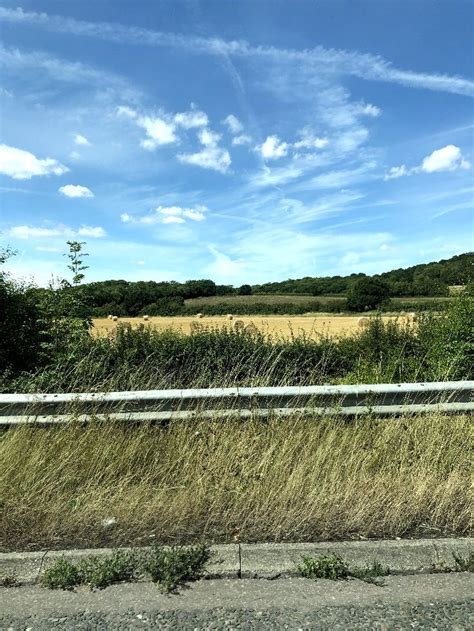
124,298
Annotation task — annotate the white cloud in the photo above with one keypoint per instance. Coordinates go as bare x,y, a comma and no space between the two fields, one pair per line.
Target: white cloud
233,124
273,148
213,158
396,172
31,232
81,140
95,232
371,110
23,165
172,219
309,141
59,231
447,158
241,140
168,214
159,132
191,119
224,268
124,110
196,214
208,138
76,190
275,177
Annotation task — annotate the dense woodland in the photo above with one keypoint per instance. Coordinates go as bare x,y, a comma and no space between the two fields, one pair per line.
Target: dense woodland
124,298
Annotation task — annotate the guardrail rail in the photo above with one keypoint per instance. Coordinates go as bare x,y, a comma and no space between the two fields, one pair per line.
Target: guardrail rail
165,405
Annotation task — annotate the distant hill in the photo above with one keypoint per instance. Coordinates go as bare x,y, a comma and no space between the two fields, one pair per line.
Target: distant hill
426,279
120,297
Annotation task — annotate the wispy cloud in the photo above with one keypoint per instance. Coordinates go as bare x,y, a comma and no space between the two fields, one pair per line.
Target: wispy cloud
233,124
362,65
167,214
212,156
59,231
16,61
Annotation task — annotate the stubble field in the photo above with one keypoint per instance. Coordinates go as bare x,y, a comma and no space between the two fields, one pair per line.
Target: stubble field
281,326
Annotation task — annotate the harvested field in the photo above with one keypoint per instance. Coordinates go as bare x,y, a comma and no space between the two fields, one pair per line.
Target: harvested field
283,326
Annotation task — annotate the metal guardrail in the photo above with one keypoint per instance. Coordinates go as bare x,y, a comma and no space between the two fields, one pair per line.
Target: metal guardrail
165,405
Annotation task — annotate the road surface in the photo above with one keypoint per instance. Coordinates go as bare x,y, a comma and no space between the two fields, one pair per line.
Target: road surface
436,601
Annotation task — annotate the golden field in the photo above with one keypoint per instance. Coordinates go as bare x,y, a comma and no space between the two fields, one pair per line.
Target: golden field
285,326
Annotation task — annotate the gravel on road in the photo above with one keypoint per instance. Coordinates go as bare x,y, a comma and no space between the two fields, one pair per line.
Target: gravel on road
438,601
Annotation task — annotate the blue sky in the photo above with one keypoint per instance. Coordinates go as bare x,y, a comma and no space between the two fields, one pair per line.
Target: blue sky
241,141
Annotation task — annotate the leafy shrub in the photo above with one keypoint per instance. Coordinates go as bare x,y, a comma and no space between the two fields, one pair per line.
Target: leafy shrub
171,567
101,571
62,574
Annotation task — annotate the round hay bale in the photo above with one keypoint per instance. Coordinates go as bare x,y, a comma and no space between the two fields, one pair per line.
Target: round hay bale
146,318
115,318
238,325
199,315
230,316
251,329
363,322
110,317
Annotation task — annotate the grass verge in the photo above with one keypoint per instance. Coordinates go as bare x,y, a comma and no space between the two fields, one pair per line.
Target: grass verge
298,479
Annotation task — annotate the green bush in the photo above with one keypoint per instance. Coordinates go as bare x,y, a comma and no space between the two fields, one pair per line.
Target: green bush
62,574
101,571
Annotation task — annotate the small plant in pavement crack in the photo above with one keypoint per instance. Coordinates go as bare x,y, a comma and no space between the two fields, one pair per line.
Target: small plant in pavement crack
173,566
371,573
328,566
169,567
62,574
333,567
99,572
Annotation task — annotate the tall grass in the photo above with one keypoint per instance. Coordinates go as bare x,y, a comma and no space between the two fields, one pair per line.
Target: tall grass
297,479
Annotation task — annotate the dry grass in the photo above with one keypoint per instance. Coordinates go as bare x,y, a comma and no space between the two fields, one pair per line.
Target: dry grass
297,479
284,326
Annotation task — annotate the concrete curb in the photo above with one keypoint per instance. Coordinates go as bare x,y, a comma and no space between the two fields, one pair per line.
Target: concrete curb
272,560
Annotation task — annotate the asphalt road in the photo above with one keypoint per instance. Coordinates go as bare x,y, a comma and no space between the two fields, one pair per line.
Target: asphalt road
440,601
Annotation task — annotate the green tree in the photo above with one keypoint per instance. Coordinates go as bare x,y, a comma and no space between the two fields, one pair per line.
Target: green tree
367,293
76,264
21,335
244,290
